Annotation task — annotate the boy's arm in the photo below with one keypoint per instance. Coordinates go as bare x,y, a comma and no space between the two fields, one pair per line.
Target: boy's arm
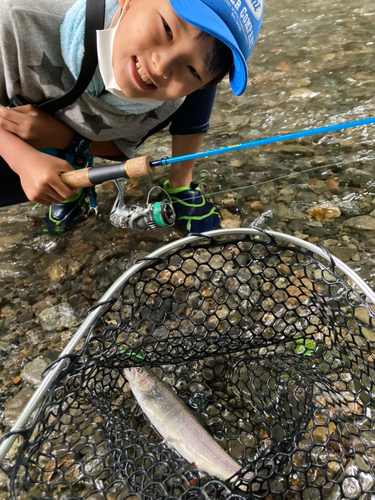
41,130
188,127
39,173
180,174
22,133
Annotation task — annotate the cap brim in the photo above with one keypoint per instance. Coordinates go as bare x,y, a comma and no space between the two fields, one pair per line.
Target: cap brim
207,20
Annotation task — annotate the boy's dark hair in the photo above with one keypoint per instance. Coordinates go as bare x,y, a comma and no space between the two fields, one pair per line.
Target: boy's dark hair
220,58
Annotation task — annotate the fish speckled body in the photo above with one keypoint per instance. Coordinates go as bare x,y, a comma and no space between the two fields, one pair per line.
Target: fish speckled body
178,426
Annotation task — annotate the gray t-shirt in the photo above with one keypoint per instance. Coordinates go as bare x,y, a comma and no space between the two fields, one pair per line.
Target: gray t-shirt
32,65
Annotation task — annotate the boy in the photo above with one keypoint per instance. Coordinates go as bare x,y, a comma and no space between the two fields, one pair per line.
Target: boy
155,53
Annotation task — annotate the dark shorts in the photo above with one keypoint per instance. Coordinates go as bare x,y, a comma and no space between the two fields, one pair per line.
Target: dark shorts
193,117
11,192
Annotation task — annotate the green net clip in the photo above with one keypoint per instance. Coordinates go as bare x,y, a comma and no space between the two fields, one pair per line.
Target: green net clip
131,353
305,347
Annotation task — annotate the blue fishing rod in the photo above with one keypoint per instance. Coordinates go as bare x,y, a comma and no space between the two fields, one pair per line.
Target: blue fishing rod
161,214
262,142
143,165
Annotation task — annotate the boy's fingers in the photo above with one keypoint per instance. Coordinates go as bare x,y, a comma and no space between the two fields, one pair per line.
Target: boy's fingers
13,122
54,192
28,109
7,114
43,198
62,191
44,201
8,125
48,197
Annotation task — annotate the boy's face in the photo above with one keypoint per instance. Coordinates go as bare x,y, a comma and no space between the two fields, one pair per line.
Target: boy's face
153,42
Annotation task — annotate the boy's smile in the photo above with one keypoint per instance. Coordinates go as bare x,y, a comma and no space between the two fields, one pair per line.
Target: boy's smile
158,55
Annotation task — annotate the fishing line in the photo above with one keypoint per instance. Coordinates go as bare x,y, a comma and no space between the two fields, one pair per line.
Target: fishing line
262,142
285,176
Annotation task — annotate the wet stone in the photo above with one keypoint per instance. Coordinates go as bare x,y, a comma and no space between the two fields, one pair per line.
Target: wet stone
370,244
319,232
25,316
229,220
318,186
4,483
32,372
5,346
343,253
14,407
362,223
47,302
80,305
10,271
10,240
35,335
58,318
356,177
350,209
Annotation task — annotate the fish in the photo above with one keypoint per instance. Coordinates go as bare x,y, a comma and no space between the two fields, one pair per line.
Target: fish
179,427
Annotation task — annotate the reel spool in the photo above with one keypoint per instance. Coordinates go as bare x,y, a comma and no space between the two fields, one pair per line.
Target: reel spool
142,218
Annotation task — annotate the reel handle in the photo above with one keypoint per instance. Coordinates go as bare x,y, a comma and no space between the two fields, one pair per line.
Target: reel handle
86,177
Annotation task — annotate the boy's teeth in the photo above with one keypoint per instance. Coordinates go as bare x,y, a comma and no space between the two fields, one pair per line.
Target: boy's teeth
146,79
142,73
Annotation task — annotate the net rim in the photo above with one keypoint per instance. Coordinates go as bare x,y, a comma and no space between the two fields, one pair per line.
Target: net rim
158,254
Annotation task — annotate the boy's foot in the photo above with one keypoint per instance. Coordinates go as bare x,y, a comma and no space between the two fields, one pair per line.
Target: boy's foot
193,212
61,216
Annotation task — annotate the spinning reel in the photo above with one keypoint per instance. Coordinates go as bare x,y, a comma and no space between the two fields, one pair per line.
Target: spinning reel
136,217
141,218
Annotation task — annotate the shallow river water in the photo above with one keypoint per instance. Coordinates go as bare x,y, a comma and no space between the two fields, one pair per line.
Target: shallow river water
313,66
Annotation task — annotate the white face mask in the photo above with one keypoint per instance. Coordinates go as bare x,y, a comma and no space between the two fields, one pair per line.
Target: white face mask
104,40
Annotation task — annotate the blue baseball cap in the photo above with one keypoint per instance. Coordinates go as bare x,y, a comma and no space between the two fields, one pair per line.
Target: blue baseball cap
235,22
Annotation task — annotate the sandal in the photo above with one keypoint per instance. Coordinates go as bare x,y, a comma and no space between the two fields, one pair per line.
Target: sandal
193,212
61,216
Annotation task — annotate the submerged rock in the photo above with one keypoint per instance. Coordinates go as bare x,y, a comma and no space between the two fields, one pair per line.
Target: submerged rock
324,213
344,253
32,372
58,318
14,407
362,222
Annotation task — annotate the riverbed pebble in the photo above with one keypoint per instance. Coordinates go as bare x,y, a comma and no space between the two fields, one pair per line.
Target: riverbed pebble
57,318
362,223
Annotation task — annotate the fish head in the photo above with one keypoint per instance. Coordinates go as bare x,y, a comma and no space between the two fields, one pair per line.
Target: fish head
141,378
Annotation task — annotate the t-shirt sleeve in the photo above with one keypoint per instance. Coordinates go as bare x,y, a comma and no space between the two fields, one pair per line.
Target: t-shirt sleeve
193,116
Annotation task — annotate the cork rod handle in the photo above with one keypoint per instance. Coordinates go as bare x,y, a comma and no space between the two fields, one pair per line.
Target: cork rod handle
86,177
76,178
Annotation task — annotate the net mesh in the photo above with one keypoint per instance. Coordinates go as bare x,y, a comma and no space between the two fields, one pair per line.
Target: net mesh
268,344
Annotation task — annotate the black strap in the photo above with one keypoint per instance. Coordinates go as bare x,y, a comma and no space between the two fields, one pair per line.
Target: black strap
95,12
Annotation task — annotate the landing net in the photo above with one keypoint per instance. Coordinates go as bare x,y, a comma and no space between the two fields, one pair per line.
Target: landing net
270,342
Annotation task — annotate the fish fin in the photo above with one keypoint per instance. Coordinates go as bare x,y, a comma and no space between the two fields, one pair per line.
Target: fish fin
170,441
173,443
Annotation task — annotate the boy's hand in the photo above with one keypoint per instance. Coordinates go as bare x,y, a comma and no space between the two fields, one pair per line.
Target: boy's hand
36,127
40,178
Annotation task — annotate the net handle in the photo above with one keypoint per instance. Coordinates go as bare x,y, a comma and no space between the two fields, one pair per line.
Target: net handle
160,253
